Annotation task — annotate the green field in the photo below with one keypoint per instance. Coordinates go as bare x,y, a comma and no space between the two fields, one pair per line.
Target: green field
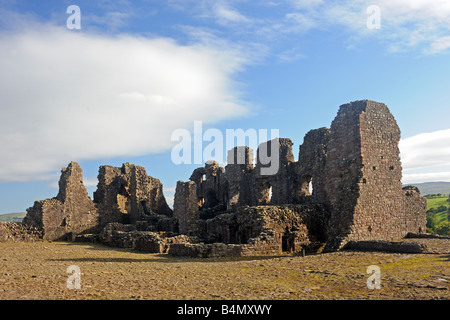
435,203
438,213
12,217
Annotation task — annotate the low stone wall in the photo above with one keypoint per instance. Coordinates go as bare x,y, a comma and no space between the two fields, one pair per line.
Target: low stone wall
388,246
126,236
202,250
295,225
255,247
15,231
426,236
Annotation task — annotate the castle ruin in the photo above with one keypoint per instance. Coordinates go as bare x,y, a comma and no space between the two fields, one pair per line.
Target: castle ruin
346,186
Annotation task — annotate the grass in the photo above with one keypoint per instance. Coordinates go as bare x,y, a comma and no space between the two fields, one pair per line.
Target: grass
436,202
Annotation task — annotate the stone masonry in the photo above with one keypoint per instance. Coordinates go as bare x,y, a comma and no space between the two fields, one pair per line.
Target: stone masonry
128,195
124,195
350,172
345,187
69,213
363,173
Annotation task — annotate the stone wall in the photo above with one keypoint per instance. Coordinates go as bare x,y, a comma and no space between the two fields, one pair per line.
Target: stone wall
363,173
238,173
274,188
309,178
14,232
128,195
352,170
186,207
289,228
125,194
414,205
69,213
387,246
292,227
259,230
127,236
112,194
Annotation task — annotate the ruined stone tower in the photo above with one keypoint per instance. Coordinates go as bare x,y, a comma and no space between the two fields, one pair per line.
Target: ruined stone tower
69,213
363,173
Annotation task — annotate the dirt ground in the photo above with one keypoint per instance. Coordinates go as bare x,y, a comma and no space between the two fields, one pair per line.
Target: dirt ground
38,270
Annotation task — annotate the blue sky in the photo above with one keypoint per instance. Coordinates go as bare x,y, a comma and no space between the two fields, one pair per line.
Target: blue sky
115,90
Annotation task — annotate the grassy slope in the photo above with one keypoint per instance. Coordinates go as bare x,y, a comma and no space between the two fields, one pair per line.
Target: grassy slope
12,217
434,187
437,202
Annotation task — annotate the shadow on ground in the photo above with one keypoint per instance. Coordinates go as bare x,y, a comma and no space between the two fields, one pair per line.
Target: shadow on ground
153,257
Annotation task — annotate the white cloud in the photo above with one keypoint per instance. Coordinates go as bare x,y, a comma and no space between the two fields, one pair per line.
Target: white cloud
245,52
169,190
112,20
225,14
426,157
414,24
405,24
75,96
440,44
306,4
290,55
169,194
90,181
87,181
426,150
412,178
302,22
419,25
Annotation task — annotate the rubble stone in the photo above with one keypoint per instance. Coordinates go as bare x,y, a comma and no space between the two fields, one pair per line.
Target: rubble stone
14,232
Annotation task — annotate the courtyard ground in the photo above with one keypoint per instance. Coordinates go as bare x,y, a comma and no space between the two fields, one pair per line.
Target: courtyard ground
38,270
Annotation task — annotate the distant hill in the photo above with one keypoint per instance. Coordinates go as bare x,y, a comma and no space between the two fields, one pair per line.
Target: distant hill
12,217
433,188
